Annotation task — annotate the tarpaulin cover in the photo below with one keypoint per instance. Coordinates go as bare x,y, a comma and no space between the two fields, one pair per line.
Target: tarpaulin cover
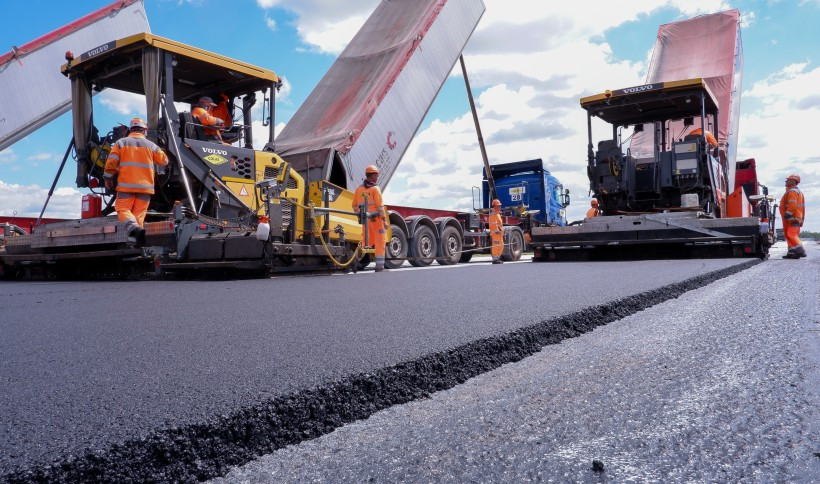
34,91
379,58
707,47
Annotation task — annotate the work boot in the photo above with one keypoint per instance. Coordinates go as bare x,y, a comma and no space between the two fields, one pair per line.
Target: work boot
497,261
140,236
381,269
132,237
801,252
791,255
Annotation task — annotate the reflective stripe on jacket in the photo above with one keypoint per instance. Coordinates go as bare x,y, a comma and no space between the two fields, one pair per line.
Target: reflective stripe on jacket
792,206
496,224
374,199
201,115
132,160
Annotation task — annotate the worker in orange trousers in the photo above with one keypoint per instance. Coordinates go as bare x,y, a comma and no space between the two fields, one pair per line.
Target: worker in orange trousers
496,232
132,161
792,210
377,217
594,211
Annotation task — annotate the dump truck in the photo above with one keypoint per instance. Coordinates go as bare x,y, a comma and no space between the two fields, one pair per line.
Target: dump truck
279,207
665,184
388,78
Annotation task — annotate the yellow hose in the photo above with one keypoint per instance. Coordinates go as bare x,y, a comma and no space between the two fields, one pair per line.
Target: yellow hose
310,207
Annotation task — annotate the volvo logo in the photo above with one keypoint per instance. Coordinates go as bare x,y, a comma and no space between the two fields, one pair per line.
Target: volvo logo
98,50
214,151
631,90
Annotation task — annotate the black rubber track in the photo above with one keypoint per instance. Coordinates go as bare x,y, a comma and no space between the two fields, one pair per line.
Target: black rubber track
206,450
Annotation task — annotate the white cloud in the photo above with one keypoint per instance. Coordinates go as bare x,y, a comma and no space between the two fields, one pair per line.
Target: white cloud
27,201
283,95
325,25
121,102
776,134
271,23
532,82
747,19
42,157
8,156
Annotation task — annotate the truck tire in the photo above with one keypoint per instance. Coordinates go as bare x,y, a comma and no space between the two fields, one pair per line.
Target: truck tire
515,245
449,249
424,247
396,251
465,257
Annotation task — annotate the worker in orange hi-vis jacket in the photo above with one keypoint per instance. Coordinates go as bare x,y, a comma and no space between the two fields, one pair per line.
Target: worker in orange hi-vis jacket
131,161
710,138
377,217
792,210
202,114
496,226
594,211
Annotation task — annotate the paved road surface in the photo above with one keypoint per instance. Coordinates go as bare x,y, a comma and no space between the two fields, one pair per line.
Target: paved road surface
89,365
702,388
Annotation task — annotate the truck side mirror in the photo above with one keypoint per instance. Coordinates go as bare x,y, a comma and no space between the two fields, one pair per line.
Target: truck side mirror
565,201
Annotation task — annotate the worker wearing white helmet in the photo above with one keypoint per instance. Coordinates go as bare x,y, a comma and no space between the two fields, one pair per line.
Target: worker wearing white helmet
132,161
376,225
792,210
496,226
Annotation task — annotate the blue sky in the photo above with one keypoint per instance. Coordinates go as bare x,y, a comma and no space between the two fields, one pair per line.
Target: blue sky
527,96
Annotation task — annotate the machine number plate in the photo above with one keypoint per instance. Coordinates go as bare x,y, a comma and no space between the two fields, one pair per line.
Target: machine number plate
517,194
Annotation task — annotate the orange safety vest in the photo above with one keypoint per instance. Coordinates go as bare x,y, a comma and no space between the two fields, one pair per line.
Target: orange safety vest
496,234
496,224
374,201
132,159
792,206
201,114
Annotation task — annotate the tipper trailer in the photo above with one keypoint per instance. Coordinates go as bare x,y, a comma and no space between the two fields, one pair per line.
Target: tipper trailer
669,188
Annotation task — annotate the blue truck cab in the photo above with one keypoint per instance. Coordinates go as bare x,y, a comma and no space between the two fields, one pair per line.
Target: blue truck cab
527,189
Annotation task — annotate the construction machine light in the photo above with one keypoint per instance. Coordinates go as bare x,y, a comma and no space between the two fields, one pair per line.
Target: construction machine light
607,94
203,227
69,56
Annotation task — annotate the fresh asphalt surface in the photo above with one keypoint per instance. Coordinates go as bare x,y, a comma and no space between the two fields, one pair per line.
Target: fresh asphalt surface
719,385
88,365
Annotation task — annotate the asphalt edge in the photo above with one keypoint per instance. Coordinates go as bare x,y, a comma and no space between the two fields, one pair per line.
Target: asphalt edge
209,449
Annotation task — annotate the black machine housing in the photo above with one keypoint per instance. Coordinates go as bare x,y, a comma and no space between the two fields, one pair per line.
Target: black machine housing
670,164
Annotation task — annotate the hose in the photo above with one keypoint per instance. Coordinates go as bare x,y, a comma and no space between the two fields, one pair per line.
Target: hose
310,207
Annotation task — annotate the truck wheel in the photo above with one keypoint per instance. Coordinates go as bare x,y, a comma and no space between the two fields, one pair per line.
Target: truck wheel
449,247
513,251
465,257
423,249
396,251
